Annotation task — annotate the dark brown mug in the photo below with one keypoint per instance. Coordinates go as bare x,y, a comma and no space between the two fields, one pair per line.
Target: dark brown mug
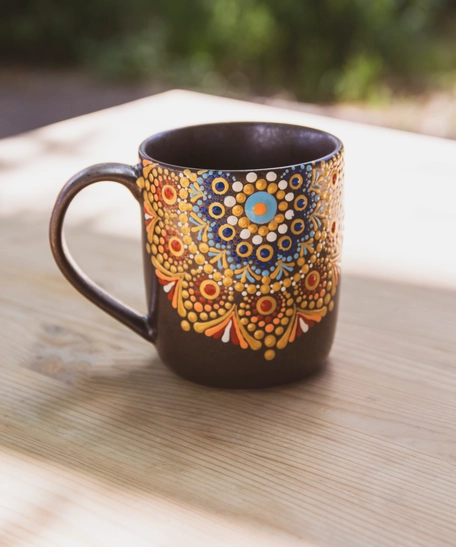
242,233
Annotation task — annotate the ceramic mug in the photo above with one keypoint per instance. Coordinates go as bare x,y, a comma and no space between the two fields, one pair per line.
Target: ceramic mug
242,233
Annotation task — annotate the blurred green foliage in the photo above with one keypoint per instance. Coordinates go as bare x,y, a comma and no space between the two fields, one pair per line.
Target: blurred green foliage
316,50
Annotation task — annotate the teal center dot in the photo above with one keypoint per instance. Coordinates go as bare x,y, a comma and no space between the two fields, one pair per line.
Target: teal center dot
261,207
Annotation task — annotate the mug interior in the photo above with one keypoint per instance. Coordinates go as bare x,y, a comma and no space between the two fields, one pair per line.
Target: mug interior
239,146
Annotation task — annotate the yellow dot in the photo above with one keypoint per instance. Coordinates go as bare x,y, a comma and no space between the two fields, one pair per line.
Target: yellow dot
221,311
183,193
184,182
187,240
279,218
228,273
239,286
259,334
289,312
185,294
188,305
238,210
183,218
305,268
253,228
244,222
276,286
199,259
251,327
280,194
297,277
319,247
208,268
249,189
227,281
241,197
284,321
287,282
313,259
269,355
327,298
204,247
290,302
279,330
300,261
272,225
185,229
319,302
244,321
263,230
264,289
272,188
261,184
192,316
265,280
331,306
260,209
154,249
185,325
217,276
213,314
193,248
283,206
251,289
312,305
203,316
270,341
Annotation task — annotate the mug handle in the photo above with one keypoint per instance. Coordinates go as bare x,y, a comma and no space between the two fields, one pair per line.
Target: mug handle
117,172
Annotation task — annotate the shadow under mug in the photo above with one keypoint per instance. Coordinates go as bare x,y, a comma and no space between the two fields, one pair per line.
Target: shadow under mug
241,237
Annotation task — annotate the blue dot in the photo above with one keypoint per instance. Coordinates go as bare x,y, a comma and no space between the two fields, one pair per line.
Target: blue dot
295,182
216,210
258,270
238,259
266,203
227,232
243,249
264,273
296,256
264,253
219,186
300,203
289,258
298,226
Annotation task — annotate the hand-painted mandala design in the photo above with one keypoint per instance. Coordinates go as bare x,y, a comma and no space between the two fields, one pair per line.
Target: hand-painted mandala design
250,259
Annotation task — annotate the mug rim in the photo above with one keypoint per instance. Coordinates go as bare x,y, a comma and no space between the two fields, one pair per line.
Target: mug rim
144,155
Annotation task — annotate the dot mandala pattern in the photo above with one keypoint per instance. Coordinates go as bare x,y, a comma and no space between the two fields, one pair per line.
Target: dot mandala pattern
249,259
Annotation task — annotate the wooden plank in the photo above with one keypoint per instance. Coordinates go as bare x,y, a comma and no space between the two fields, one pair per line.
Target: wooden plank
101,445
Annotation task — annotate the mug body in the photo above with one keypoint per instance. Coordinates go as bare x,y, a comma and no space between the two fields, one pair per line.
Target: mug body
242,231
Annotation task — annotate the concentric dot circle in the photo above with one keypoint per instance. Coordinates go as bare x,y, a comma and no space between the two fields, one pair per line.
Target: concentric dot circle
169,194
176,246
209,289
216,210
285,243
261,207
265,253
266,305
244,249
312,280
226,232
296,181
300,203
297,226
220,185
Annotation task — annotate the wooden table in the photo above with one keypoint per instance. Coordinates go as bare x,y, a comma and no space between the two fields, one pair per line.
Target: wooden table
101,445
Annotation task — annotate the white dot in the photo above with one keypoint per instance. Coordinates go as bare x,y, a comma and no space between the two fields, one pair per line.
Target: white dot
258,293
229,201
289,196
257,240
271,176
272,236
283,229
289,214
245,234
283,184
251,177
232,220
237,186
244,293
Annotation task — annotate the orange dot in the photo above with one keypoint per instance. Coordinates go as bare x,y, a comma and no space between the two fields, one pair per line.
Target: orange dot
322,292
280,315
198,307
261,324
207,308
254,319
269,328
191,291
276,321
248,312
259,209
216,306
193,298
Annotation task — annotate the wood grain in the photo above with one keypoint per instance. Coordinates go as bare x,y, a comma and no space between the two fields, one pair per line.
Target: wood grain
101,445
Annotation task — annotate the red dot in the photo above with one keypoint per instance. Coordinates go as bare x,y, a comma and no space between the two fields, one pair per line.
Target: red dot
334,178
176,245
333,227
210,289
168,193
268,319
312,279
266,306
